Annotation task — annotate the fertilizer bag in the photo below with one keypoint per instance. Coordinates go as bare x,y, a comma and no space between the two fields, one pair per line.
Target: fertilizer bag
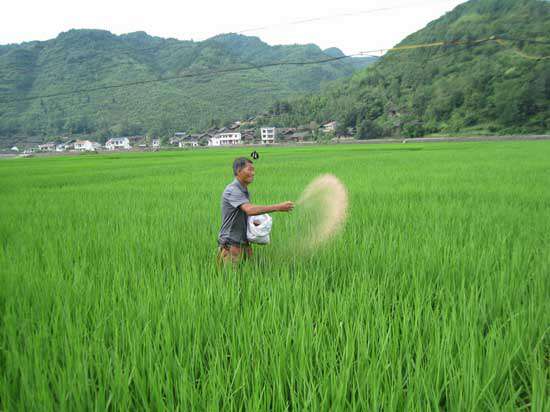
259,228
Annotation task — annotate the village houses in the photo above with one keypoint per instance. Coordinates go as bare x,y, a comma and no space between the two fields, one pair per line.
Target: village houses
329,127
86,146
189,141
225,139
118,143
234,134
248,136
268,135
178,138
47,147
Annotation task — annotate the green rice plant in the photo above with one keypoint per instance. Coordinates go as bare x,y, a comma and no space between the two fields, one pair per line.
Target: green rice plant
433,297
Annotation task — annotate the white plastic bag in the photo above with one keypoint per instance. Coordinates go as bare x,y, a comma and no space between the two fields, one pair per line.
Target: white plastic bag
259,228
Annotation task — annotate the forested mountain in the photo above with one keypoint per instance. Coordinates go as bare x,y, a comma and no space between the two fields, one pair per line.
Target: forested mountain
91,59
495,86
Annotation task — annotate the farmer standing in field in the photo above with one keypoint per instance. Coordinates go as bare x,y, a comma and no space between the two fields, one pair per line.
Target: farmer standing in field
236,207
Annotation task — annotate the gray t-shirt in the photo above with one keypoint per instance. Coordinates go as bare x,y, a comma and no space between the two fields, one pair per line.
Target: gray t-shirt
234,220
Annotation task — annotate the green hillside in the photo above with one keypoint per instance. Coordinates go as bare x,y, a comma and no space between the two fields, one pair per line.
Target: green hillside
491,87
84,59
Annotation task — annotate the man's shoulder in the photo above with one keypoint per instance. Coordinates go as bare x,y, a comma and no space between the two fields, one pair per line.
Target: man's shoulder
235,186
231,187
235,190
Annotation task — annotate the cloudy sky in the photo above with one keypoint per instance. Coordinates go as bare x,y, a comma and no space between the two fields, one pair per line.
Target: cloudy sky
351,25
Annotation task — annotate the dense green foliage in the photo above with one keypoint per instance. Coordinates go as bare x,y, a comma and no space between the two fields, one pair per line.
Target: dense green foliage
488,87
434,297
83,59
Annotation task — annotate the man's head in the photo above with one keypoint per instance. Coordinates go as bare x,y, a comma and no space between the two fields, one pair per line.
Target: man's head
243,169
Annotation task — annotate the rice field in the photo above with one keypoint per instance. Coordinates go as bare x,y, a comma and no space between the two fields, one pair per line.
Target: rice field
435,297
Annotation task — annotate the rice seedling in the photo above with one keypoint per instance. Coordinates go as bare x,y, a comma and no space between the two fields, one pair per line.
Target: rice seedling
434,296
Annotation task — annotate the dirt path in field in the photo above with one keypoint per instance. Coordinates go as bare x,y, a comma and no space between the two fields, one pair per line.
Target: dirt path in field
449,139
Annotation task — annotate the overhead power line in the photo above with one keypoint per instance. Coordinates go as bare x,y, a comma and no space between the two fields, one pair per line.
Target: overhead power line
182,76
186,45
338,15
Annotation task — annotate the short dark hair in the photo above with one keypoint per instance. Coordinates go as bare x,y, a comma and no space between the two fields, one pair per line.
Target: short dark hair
240,163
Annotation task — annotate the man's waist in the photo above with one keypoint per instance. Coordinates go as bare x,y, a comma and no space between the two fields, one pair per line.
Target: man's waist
226,242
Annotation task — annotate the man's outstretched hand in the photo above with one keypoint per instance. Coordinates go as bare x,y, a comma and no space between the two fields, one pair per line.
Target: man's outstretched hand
286,206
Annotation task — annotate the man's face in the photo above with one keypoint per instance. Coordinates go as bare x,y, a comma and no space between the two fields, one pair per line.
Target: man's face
246,174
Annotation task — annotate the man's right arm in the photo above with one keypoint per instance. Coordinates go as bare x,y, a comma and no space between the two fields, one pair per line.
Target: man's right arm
254,210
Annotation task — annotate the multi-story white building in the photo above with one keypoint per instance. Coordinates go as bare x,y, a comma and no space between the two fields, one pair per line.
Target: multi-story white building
118,143
268,135
225,139
155,143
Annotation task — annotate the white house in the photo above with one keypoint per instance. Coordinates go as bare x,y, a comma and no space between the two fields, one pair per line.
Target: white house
61,147
155,143
118,143
189,141
268,135
86,145
46,147
329,127
225,139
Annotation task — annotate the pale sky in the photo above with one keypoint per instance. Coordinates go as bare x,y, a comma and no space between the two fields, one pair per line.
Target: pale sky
351,25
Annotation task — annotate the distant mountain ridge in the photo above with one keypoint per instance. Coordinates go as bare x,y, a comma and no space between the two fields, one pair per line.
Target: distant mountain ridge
90,59
489,87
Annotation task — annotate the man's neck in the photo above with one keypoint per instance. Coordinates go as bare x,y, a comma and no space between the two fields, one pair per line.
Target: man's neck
243,184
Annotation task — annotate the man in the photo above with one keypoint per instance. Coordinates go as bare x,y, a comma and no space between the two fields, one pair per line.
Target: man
236,207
